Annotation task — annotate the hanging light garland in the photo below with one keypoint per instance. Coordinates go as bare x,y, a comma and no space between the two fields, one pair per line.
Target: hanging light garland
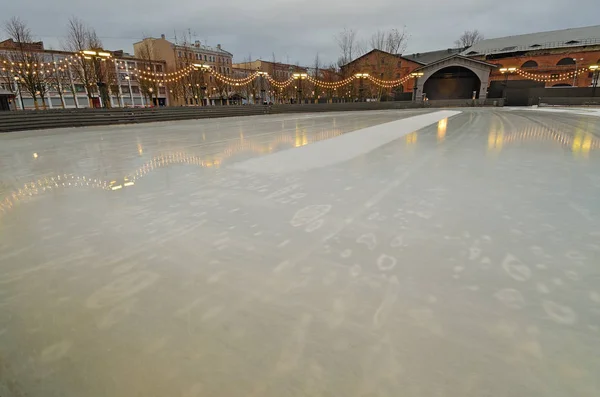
280,84
61,65
331,84
389,83
550,78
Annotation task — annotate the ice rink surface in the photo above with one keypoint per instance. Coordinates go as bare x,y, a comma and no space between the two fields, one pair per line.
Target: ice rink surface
458,259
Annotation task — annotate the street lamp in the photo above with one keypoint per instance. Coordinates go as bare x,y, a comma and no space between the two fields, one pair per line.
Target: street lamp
95,56
416,76
151,90
576,66
506,72
300,77
595,71
361,77
262,86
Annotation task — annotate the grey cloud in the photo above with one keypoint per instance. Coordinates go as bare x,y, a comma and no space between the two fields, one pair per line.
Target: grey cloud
296,31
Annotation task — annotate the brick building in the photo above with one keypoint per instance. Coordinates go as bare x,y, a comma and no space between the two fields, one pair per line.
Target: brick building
270,93
384,66
552,53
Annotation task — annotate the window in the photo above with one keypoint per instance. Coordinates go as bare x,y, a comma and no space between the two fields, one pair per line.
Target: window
179,54
572,42
205,57
211,78
566,61
383,61
125,89
529,64
198,56
79,88
535,45
399,64
227,70
512,47
135,89
162,91
397,75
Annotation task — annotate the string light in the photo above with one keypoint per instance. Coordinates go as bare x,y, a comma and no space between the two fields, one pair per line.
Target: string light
550,78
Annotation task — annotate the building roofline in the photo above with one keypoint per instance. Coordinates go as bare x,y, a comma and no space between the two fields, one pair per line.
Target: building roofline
385,52
492,65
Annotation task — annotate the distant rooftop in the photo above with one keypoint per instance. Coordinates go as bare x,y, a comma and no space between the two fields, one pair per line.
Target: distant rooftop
575,37
196,45
432,56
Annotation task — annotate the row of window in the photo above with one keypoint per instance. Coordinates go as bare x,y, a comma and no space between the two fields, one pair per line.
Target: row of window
562,62
200,57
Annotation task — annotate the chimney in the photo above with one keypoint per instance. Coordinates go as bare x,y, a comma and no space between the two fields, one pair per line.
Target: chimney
162,36
219,46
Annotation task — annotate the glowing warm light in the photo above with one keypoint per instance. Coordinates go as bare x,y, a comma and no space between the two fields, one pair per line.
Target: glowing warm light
88,52
35,155
104,54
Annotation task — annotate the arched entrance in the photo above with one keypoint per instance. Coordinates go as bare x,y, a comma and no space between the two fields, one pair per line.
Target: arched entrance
452,82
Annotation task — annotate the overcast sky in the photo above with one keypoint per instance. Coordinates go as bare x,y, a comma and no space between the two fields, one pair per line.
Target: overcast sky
297,30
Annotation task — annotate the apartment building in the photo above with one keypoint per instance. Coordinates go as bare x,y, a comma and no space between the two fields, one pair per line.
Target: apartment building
61,84
195,88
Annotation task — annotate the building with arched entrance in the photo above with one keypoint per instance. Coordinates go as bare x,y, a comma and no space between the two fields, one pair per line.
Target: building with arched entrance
453,77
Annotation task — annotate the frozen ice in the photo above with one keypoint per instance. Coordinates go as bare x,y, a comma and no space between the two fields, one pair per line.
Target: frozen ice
345,254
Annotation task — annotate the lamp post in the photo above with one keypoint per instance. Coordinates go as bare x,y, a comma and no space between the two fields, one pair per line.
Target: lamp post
262,86
20,93
151,90
416,76
202,68
506,72
361,77
575,75
595,71
130,91
300,77
98,56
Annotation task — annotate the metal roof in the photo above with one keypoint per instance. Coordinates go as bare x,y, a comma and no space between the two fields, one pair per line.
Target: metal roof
574,37
432,56
491,65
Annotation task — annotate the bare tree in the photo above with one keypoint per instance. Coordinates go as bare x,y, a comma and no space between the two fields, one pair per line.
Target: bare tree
468,38
58,78
27,62
347,43
81,37
147,80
